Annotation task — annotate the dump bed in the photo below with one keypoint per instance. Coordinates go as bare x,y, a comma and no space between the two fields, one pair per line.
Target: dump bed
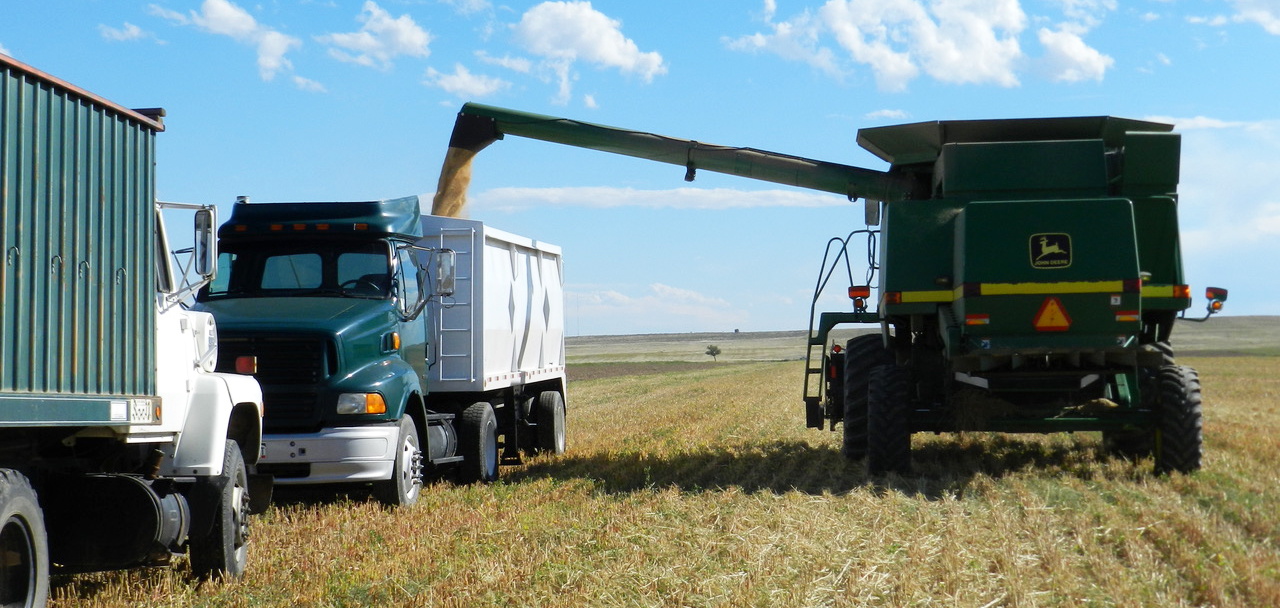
77,236
504,324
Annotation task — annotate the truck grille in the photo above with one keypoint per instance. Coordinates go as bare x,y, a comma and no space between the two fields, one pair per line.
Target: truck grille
290,370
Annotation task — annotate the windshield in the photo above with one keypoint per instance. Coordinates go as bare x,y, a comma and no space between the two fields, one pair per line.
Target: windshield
302,269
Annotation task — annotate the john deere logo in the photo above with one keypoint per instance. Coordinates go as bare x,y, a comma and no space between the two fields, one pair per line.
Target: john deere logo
1050,250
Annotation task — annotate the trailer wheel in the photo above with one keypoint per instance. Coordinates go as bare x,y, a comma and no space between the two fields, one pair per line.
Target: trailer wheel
551,425
888,434
224,551
24,546
861,354
478,444
1179,428
406,478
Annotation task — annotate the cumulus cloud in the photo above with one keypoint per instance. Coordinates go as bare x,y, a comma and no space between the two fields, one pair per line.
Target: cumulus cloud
308,85
468,7
515,64
564,33
951,41
125,33
463,84
1265,13
509,199
381,39
227,19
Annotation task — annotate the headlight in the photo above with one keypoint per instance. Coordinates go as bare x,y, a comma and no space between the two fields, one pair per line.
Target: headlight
361,403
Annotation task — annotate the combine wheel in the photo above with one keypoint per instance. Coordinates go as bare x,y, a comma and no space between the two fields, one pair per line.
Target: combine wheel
549,415
406,479
225,550
861,354
1179,436
888,432
478,443
24,573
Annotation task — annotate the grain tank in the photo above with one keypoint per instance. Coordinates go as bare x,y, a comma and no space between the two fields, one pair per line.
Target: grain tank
1025,276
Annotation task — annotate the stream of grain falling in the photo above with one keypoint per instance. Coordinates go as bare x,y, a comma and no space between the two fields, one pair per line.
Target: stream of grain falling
455,177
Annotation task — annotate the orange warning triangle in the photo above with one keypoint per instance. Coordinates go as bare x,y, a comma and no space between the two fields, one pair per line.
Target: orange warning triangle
1052,316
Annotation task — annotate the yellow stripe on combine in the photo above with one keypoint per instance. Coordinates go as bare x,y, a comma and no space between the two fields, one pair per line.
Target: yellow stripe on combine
1157,291
916,297
1016,289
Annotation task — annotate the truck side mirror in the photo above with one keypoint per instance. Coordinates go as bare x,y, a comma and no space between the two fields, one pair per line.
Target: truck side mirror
444,272
206,243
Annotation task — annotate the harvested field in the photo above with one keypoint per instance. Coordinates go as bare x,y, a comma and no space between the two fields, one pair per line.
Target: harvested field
695,484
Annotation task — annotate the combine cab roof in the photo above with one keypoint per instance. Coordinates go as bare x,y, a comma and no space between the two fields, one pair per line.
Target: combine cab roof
921,142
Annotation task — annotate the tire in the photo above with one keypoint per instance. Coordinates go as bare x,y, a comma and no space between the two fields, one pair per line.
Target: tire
888,433
24,573
478,444
550,414
861,354
406,477
225,551
1179,441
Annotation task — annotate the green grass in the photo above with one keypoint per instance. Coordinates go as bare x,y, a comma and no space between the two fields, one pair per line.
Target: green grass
699,486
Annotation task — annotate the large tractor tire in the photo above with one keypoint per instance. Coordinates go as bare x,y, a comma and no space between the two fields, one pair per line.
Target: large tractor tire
861,355
478,444
224,552
550,416
888,429
24,572
1179,441
406,479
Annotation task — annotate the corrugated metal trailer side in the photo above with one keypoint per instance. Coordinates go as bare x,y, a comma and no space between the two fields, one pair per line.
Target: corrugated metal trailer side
77,248
504,325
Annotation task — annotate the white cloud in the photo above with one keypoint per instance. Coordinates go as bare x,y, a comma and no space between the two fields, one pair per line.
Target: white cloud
1069,59
515,64
563,33
886,115
1265,13
508,199
227,19
668,308
128,32
468,7
590,101
797,39
1203,122
5,51
381,39
308,85
463,84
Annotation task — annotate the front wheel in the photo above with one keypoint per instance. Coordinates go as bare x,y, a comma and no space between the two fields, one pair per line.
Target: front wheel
861,355
24,572
888,426
406,477
224,552
478,444
1179,430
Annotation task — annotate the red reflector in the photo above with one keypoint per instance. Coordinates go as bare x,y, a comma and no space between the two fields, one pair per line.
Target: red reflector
893,297
277,227
1182,291
1127,316
1132,286
1052,316
836,348
862,291
322,226
241,228
247,364
971,290
977,319
361,226
299,226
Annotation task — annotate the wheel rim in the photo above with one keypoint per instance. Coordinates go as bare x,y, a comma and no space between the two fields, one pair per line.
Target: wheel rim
240,515
17,575
491,452
410,467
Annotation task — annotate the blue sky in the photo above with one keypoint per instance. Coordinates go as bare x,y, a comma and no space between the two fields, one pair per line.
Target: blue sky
349,100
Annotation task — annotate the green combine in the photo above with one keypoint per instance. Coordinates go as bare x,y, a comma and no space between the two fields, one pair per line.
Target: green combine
1027,276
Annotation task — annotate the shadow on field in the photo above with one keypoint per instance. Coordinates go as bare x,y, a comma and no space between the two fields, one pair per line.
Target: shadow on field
943,467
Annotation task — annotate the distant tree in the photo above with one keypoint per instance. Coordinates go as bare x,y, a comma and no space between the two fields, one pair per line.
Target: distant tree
713,351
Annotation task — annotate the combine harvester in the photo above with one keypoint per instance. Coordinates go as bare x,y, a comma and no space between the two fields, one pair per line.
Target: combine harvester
1030,276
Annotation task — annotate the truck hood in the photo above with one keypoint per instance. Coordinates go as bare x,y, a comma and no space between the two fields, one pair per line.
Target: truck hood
334,316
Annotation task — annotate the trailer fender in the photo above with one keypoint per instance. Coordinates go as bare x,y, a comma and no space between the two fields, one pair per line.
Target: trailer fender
222,406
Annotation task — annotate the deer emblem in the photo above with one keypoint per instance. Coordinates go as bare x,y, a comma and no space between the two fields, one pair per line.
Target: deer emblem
1047,248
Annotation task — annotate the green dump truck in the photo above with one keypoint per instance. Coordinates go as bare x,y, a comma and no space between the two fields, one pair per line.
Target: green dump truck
119,443
391,345
1028,272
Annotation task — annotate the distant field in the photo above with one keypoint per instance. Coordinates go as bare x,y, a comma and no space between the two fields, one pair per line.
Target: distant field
1218,336
689,483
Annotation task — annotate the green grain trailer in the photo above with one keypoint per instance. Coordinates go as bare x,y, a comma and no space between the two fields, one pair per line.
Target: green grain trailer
119,444
1028,274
